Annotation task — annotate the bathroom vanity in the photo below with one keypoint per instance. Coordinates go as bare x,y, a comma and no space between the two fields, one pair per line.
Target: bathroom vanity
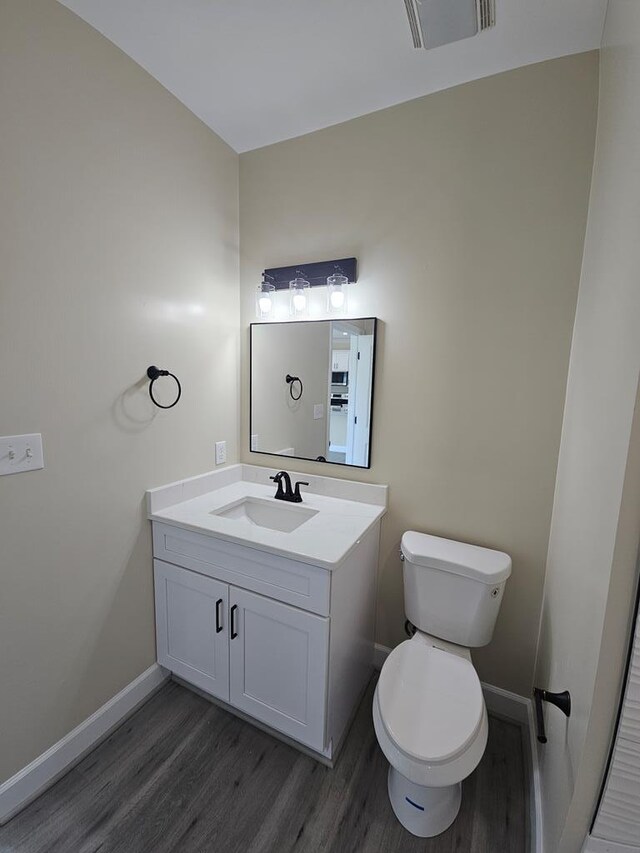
268,606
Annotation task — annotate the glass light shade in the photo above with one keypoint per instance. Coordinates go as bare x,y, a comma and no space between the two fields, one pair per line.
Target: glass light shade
265,298
337,293
299,291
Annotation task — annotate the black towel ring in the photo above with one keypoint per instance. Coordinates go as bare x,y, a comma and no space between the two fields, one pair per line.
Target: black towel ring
153,373
290,380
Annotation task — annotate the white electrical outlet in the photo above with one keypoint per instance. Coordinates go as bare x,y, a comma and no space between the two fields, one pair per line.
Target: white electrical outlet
221,452
254,441
318,411
20,453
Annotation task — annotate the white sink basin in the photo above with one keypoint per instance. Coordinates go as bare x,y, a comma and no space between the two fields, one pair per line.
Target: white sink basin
265,513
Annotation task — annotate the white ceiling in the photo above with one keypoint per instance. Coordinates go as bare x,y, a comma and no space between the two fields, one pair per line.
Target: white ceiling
259,71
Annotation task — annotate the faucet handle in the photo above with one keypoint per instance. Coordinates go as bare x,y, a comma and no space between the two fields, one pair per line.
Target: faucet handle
297,497
280,493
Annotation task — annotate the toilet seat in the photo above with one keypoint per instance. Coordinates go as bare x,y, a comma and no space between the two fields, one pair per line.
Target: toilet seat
430,702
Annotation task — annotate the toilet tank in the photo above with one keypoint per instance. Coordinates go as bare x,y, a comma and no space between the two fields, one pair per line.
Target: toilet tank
453,590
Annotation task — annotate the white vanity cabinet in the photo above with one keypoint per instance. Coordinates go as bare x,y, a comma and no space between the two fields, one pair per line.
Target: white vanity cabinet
284,642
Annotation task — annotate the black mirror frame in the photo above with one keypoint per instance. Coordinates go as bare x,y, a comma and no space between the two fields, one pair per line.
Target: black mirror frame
373,385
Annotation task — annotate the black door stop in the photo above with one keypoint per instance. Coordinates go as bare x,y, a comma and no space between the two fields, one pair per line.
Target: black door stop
560,700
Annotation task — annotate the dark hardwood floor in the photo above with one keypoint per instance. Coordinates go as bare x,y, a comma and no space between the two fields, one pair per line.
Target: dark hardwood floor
182,775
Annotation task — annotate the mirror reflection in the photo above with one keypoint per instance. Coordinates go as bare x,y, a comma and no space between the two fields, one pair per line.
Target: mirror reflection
312,389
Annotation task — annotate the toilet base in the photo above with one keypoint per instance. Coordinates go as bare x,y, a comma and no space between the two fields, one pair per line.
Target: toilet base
424,811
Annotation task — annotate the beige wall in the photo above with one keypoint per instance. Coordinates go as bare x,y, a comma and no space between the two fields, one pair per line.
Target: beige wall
596,515
466,210
119,246
280,422
119,241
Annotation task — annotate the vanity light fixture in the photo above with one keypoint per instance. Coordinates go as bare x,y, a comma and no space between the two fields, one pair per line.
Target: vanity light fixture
334,275
299,290
298,280
265,298
337,293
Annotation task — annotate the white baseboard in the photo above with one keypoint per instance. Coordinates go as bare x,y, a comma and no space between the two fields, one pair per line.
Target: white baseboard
520,709
513,706
597,845
535,791
503,703
28,783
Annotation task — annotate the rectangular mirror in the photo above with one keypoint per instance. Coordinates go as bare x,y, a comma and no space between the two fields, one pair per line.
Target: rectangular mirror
312,389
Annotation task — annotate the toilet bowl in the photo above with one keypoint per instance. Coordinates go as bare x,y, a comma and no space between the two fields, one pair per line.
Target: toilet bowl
428,710
431,723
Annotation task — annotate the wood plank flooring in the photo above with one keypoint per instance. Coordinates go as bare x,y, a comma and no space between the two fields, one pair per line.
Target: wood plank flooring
184,776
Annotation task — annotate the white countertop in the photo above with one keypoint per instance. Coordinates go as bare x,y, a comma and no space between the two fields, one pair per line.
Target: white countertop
323,540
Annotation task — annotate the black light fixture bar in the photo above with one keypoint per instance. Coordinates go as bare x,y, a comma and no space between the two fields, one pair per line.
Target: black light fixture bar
316,274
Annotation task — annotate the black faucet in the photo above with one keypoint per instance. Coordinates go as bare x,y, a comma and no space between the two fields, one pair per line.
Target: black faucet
287,493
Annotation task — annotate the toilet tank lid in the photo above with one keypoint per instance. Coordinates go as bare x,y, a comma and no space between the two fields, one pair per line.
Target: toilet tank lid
459,558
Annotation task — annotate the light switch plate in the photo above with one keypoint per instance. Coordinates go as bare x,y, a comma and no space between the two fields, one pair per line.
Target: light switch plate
254,441
19,453
318,411
221,452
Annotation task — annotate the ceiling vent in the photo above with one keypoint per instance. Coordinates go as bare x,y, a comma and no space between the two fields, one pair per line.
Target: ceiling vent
437,22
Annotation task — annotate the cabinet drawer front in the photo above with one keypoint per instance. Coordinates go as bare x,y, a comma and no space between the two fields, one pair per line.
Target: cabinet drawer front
192,627
279,659
286,580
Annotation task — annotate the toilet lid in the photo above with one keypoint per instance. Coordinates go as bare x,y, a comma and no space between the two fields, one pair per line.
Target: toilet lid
430,701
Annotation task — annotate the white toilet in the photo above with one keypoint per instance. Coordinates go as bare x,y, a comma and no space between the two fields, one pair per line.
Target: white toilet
428,710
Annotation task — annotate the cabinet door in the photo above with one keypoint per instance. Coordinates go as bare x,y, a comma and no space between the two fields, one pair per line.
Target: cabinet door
279,665
342,359
192,627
